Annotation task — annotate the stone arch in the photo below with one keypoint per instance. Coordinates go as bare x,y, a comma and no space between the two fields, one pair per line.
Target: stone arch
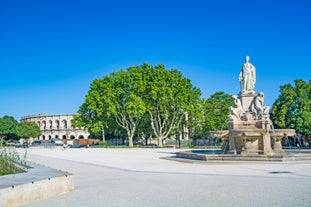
43,137
72,137
50,124
81,137
64,137
56,136
64,124
57,123
50,137
44,124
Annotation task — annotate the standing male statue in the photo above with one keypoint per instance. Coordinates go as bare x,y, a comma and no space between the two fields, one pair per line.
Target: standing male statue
247,76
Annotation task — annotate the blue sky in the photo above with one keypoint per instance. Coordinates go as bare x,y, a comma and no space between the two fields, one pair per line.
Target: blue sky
51,50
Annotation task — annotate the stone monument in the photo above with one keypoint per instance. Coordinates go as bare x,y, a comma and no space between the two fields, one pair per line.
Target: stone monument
250,135
250,128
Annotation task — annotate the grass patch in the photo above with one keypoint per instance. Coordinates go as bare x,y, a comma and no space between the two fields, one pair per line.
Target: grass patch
10,161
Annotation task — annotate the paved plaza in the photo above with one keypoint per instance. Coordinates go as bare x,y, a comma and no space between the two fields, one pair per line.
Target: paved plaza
143,177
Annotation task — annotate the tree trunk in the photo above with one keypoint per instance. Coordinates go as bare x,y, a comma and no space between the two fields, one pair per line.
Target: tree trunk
130,137
160,139
103,134
131,142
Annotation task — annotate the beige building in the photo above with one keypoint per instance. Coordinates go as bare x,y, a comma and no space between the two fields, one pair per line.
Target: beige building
56,126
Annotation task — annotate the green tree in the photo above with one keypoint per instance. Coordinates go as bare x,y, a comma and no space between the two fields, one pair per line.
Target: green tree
8,128
113,97
28,130
292,109
130,96
168,97
91,119
215,111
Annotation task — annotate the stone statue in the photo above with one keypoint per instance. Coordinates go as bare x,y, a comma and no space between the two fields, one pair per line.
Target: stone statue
266,112
247,76
237,110
257,106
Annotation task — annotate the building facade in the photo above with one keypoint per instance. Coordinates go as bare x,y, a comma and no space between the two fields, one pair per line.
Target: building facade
56,126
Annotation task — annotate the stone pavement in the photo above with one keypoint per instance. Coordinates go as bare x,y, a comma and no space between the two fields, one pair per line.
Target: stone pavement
139,177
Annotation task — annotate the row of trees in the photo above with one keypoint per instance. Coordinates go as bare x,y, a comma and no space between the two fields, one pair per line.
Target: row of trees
146,101
155,102
149,101
12,129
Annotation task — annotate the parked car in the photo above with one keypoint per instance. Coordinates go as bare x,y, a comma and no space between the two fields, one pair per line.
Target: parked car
24,144
17,144
57,141
36,143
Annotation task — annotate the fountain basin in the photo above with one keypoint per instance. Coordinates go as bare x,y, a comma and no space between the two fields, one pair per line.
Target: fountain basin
190,155
279,133
288,155
219,133
207,151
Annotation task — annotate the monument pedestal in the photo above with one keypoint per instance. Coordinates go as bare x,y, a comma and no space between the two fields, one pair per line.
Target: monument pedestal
249,137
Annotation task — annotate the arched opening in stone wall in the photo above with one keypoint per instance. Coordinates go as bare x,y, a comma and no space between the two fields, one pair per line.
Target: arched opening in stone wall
43,137
72,137
50,137
50,124
64,123
44,125
64,137
57,124
81,137
56,136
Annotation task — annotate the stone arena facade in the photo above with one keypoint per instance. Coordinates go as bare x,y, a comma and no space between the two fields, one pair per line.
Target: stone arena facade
56,126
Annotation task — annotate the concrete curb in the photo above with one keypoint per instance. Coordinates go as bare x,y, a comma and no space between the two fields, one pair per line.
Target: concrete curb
38,183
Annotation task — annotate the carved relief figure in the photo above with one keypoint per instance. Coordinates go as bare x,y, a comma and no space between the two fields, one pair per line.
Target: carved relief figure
236,110
247,76
257,106
266,112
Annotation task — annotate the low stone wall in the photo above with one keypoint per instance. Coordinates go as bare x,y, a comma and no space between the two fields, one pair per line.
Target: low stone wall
39,183
228,157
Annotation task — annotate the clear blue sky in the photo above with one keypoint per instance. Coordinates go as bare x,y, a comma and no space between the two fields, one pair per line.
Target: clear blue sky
51,50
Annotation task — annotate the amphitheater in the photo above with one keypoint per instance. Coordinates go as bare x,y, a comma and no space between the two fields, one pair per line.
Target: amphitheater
56,126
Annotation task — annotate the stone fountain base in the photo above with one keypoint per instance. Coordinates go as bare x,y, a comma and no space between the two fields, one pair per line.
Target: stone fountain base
229,157
286,156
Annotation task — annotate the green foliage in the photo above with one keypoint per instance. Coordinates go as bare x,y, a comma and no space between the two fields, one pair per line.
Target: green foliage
113,101
28,130
169,98
8,127
11,129
292,109
103,144
215,111
190,145
9,159
124,99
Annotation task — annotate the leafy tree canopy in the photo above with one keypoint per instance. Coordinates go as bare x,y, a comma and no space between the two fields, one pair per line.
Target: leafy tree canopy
139,93
292,109
8,127
28,130
216,111
169,99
